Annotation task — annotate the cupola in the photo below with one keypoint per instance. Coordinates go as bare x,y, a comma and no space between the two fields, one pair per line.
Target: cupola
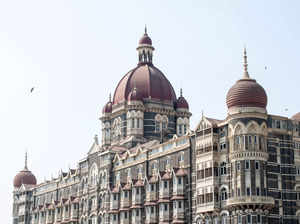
108,106
24,176
148,80
181,102
246,92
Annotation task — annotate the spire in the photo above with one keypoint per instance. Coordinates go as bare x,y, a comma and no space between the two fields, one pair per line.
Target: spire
25,167
181,92
246,74
145,29
109,97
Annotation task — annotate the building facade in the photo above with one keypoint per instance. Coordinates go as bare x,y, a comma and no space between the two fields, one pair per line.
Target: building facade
150,167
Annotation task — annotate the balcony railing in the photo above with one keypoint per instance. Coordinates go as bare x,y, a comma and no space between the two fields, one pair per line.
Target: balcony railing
244,200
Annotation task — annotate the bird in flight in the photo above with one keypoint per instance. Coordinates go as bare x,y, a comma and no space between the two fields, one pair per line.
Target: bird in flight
265,67
31,90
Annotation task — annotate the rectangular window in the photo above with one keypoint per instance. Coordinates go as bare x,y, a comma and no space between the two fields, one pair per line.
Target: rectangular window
179,204
125,215
239,191
257,191
249,219
166,207
137,123
250,139
256,165
137,190
238,165
137,212
152,187
115,217
246,142
126,194
248,191
152,209
247,165
180,129
179,180
255,139
258,219
165,184
239,219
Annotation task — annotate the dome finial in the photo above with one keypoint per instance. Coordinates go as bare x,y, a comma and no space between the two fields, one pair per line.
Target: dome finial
181,92
109,97
145,29
246,74
25,167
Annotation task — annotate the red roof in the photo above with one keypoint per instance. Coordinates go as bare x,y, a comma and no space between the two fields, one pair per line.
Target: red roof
149,203
153,179
181,172
178,197
139,183
149,81
135,95
296,117
107,108
24,177
246,93
182,103
145,40
166,176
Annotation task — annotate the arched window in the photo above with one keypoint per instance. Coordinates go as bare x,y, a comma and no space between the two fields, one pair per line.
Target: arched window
93,174
223,170
224,219
223,194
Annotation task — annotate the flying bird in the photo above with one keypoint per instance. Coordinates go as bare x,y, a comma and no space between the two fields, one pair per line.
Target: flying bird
31,90
265,67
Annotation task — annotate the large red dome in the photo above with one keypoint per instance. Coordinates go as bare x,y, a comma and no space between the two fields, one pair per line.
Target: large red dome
24,177
149,81
246,93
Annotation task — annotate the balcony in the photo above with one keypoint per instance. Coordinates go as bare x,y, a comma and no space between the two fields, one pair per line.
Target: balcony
137,199
178,215
259,201
114,205
151,196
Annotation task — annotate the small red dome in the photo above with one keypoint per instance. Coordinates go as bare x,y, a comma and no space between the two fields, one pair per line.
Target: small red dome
296,117
135,95
246,93
150,83
107,108
24,177
145,40
182,103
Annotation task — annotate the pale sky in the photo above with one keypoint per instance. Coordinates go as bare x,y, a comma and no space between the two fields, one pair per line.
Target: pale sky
75,52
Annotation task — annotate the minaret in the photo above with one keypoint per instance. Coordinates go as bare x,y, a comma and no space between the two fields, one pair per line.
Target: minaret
145,49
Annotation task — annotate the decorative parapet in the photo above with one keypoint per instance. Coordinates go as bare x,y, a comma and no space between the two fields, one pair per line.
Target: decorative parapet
259,201
251,155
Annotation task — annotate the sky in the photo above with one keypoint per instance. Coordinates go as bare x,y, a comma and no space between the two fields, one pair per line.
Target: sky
75,52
